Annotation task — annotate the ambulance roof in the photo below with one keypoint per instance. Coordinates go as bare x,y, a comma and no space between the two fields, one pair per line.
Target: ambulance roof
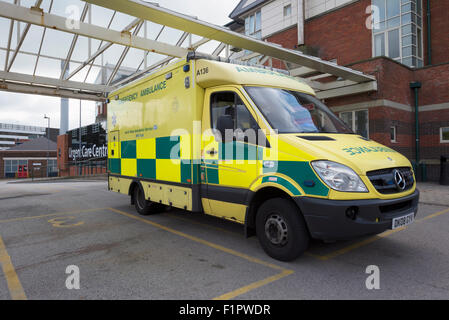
210,73
213,73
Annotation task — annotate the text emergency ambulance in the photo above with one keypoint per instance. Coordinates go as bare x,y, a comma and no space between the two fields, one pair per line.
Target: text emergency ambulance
253,146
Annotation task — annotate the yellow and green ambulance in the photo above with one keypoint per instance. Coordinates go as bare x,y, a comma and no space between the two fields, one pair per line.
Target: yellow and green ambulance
256,147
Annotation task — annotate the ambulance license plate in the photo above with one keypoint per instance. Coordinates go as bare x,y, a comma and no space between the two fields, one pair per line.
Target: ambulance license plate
403,221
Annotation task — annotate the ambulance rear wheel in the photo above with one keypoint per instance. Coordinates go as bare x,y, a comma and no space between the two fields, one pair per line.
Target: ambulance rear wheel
143,206
281,229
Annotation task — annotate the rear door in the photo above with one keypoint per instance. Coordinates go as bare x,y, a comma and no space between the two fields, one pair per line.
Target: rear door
114,156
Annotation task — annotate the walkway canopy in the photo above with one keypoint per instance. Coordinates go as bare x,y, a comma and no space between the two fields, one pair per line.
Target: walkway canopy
59,48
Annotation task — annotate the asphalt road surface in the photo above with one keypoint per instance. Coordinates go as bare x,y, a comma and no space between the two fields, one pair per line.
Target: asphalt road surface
50,231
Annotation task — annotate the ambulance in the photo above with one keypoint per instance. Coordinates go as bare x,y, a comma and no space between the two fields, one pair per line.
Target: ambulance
254,146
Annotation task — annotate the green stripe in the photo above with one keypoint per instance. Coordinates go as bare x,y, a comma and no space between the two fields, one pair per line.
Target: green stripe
186,171
115,166
212,176
196,173
300,172
237,151
190,170
285,183
146,168
128,149
165,146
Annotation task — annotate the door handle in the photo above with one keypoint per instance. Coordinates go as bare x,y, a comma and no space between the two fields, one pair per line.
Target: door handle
211,152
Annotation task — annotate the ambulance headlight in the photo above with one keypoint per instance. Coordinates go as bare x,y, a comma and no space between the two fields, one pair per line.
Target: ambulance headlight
339,177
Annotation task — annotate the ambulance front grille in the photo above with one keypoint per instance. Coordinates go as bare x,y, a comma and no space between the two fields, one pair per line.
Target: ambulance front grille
384,180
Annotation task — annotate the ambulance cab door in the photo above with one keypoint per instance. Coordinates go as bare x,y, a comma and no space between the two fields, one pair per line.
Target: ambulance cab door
229,163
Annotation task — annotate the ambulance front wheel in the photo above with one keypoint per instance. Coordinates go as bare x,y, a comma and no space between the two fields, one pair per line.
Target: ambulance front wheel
281,229
143,206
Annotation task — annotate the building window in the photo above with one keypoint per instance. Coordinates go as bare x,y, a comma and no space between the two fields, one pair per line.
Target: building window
52,165
12,167
393,136
253,25
444,135
287,11
358,121
397,30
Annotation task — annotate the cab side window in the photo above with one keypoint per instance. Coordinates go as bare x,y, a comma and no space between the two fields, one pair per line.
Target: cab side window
229,103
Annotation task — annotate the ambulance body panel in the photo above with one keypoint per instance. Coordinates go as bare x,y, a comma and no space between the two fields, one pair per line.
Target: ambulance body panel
165,148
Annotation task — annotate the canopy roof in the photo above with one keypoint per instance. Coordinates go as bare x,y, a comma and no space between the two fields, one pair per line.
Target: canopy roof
116,41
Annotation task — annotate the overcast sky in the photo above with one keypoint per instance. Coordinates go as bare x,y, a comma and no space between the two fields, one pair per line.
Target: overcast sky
30,109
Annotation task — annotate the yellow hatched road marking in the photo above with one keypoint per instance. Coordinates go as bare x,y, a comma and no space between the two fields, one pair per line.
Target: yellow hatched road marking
254,285
284,272
62,222
357,245
14,285
436,214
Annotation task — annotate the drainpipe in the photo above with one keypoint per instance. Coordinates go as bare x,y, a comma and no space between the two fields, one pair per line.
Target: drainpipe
301,22
415,86
429,37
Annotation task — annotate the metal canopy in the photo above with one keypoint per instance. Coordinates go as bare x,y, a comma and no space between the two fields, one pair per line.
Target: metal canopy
43,53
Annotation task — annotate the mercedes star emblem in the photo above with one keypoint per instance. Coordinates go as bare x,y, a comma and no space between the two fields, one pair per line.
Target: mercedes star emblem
399,179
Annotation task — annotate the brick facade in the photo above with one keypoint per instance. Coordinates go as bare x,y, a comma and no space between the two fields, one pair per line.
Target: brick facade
439,11
63,154
37,162
342,34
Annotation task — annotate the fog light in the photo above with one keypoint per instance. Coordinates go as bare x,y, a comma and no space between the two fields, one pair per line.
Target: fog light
351,212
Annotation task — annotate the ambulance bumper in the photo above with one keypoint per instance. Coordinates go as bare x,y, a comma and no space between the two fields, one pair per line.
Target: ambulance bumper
341,219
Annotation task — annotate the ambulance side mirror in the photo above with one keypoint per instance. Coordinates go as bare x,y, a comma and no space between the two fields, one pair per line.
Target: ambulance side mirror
224,122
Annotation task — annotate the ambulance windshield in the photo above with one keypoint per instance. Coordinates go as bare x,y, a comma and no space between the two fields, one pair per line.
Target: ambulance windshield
295,112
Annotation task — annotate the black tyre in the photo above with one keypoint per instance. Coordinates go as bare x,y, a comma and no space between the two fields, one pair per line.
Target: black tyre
281,229
143,206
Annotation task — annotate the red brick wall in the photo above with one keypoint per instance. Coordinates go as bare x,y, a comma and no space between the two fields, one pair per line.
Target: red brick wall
63,154
341,34
25,154
435,83
393,83
430,124
393,79
85,171
288,38
37,168
439,10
